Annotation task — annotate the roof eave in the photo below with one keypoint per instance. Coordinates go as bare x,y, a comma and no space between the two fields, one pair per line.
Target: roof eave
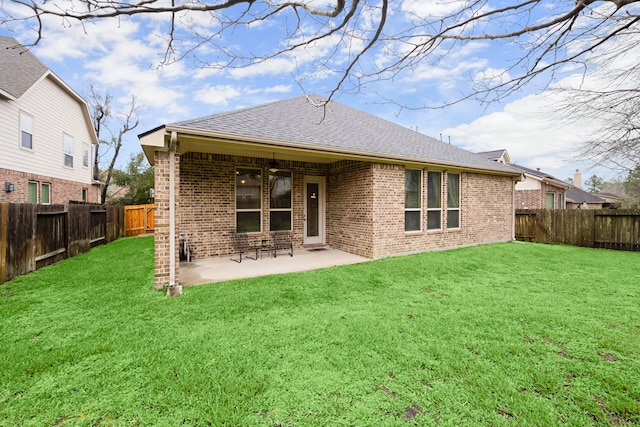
356,154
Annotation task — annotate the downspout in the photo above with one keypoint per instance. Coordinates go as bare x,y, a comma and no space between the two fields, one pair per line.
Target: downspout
513,209
174,289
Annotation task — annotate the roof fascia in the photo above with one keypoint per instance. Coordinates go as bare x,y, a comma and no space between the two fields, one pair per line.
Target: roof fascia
359,155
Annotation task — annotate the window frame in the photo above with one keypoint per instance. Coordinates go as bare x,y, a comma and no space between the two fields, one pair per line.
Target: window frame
34,185
42,193
24,119
248,210
553,200
67,150
418,201
85,194
451,209
276,209
432,209
85,155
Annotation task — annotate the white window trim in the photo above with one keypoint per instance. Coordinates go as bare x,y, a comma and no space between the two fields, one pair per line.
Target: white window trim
37,186
23,115
419,209
235,200
42,185
65,138
86,155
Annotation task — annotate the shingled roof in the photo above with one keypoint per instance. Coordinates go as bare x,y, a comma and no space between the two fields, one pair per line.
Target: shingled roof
19,68
307,122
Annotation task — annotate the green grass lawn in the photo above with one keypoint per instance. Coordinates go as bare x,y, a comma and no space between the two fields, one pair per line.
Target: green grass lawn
500,335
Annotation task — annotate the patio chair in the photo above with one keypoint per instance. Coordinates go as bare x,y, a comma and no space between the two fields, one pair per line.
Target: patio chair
282,240
243,246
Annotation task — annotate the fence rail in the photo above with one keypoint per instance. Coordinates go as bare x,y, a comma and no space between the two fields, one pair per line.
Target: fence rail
139,219
33,236
604,228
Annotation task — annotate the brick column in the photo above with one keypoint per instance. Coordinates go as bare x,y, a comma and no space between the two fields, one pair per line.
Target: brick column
161,233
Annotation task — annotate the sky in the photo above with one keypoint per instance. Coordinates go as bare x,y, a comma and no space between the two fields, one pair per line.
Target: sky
123,57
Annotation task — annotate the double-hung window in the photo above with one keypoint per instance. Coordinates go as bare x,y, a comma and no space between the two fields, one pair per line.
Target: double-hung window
434,200
85,155
412,200
248,200
550,200
68,151
280,202
26,131
45,194
32,189
453,200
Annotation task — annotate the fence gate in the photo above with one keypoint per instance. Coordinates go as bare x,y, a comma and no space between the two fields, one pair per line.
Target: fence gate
139,219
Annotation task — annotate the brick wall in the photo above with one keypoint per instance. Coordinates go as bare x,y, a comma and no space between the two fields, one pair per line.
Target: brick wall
536,199
62,191
486,213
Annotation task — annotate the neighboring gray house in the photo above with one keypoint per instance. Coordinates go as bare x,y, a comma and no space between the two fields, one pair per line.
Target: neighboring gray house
577,198
331,175
46,133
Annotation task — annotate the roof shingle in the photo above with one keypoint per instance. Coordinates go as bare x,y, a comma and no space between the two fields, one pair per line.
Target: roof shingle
306,121
19,68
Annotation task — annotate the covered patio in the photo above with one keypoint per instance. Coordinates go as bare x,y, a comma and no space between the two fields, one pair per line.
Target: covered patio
211,270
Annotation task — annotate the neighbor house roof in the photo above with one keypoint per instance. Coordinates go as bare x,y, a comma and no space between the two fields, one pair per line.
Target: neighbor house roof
496,155
542,176
19,68
307,122
578,195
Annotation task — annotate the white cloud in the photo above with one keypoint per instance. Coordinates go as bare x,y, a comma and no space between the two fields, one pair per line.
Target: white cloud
219,95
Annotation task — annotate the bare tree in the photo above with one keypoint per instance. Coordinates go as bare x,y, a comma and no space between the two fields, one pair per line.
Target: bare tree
381,39
102,113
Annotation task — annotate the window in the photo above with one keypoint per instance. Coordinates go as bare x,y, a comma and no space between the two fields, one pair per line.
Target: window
434,201
45,193
248,196
85,155
84,194
550,199
453,200
26,131
68,151
280,186
33,192
412,200
560,201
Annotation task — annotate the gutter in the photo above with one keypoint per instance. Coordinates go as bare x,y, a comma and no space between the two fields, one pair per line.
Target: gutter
174,289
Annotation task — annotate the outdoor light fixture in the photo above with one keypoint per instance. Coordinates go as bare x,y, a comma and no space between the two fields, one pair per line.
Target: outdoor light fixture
9,187
273,164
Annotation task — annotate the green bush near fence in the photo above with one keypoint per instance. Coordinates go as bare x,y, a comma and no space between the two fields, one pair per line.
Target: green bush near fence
499,335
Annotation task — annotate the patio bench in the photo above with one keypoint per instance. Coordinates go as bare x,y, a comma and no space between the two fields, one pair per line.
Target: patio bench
282,240
243,246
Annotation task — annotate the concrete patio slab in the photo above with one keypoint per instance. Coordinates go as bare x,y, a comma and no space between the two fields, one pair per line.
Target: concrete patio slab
212,270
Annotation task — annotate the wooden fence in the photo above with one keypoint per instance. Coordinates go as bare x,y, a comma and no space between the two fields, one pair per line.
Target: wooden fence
33,236
139,219
605,228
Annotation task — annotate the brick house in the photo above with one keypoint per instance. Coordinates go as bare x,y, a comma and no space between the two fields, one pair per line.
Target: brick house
46,133
331,175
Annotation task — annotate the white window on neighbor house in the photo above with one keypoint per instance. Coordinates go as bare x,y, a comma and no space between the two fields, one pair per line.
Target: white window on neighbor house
26,131
412,200
45,193
32,192
280,200
550,200
85,155
248,200
453,200
434,200
85,194
560,201
68,151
